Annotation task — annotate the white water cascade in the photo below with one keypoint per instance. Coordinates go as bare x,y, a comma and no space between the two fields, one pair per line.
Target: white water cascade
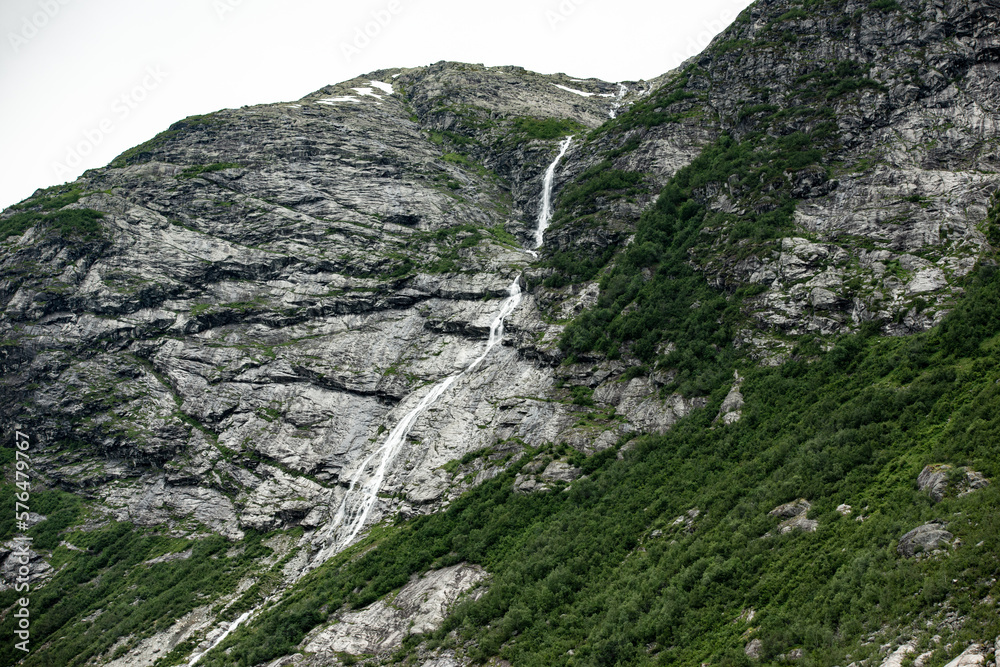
221,638
362,494
545,214
619,100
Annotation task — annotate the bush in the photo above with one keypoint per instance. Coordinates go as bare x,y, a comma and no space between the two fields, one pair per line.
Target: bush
546,128
198,170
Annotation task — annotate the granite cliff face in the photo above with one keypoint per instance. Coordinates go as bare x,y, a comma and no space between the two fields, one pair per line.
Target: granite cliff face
215,333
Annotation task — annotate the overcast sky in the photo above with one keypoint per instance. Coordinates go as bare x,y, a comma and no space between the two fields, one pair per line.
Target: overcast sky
83,80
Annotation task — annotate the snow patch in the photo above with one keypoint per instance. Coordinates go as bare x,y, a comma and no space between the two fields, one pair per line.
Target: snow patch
573,90
337,100
367,92
381,85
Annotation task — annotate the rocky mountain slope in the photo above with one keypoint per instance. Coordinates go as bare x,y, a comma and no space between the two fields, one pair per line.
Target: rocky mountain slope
300,389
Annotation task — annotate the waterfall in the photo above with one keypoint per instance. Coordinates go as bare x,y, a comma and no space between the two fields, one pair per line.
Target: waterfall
545,214
221,638
619,100
362,494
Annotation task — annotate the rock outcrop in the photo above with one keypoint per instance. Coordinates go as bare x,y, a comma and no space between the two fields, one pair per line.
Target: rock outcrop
970,657
753,649
929,537
732,406
937,478
418,607
541,476
794,515
215,333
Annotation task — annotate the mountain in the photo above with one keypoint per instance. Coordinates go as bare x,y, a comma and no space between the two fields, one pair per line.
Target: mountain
301,386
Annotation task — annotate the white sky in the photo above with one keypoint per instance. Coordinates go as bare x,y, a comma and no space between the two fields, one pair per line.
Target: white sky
65,64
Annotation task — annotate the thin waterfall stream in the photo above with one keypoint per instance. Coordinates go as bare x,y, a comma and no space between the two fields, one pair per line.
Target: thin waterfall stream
545,212
362,493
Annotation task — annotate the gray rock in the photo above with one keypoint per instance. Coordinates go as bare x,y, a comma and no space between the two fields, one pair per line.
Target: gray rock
732,406
799,522
15,555
687,520
419,607
934,479
896,658
792,509
753,649
929,537
970,657
539,476
794,515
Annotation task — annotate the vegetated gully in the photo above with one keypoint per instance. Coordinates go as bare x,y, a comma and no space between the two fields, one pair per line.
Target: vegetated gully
362,494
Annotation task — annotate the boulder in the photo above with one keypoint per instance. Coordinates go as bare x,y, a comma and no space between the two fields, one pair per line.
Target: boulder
534,478
794,514
970,657
732,407
753,649
934,479
794,508
799,522
896,658
927,537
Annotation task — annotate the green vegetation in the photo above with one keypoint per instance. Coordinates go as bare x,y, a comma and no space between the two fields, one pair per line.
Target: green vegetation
439,137
107,579
48,210
636,313
582,570
52,199
198,170
659,108
993,221
526,128
600,181
451,241
79,224
885,6
571,266
836,80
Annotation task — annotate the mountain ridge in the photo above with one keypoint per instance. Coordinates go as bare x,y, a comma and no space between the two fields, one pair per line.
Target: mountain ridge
749,296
